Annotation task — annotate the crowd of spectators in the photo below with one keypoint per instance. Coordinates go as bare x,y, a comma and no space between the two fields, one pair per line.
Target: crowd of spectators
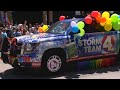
20,29
8,31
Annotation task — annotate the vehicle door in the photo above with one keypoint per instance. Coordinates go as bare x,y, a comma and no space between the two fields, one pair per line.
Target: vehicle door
96,43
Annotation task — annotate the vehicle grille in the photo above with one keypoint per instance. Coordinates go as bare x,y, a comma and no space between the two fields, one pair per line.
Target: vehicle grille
19,46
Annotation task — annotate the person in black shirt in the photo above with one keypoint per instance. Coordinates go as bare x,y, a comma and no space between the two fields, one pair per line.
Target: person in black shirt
4,50
5,47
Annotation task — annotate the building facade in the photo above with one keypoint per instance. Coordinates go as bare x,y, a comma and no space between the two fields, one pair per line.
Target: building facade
6,17
47,17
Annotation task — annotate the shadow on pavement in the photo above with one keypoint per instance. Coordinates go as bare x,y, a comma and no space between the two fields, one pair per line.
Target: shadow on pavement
75,75
70,73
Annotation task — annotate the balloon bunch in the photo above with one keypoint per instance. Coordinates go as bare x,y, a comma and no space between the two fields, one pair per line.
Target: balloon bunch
78,26
43,29
104,19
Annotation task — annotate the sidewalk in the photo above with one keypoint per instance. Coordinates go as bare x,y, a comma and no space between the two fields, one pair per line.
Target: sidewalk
4,67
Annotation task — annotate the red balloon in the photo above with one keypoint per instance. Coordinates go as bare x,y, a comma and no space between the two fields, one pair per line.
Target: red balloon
62,18
88,20
94,13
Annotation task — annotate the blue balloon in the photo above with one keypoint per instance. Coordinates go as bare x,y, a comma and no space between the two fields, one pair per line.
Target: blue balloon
119,16
75,29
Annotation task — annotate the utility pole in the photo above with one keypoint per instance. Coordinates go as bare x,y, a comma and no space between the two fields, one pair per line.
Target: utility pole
45,17
50,17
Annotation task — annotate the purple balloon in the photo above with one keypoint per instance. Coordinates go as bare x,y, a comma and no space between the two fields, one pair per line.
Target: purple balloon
73,23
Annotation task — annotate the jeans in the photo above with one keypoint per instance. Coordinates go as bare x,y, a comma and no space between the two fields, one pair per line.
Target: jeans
4,57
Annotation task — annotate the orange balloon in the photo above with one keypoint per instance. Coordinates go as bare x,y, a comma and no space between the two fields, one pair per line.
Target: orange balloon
40,29
98,19
102,20
99,14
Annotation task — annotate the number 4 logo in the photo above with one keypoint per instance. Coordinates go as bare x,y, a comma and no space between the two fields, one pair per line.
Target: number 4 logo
108,43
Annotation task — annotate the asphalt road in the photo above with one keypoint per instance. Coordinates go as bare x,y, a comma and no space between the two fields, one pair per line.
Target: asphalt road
111,72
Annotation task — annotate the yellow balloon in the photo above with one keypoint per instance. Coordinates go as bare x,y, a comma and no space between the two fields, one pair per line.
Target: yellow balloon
108,21
108,27
102,24
106,14
45,27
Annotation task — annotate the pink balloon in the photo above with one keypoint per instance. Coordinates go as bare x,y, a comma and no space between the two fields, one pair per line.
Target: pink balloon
88,20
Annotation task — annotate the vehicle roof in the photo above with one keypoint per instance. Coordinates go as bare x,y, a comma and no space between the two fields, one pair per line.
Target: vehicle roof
69,20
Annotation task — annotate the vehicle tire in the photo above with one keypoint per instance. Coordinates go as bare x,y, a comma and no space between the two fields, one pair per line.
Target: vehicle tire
53,63
16,67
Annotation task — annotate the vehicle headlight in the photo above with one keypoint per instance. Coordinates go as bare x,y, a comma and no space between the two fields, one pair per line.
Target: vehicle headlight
30,47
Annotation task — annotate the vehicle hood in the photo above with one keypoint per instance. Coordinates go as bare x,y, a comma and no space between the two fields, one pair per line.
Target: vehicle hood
35,38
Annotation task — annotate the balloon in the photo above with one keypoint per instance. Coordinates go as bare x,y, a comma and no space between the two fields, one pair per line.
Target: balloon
114,17
108,27
98,18
73,23
88,20
119,20
40,29
62,18
108,21
102,20
94,13
106,14
102,24
45,27
119,16
82,32
75,29
116,26
80,25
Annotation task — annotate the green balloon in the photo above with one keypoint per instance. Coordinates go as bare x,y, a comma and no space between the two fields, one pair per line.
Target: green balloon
114,17
119,20
82,32
80,25
116,26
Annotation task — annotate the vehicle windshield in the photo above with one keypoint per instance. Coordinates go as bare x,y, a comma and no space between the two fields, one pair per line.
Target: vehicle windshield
59,27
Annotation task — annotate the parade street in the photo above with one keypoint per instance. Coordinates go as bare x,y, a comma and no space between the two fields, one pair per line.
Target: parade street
113,72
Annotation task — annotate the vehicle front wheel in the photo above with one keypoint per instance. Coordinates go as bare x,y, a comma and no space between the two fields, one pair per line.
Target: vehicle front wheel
53,63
